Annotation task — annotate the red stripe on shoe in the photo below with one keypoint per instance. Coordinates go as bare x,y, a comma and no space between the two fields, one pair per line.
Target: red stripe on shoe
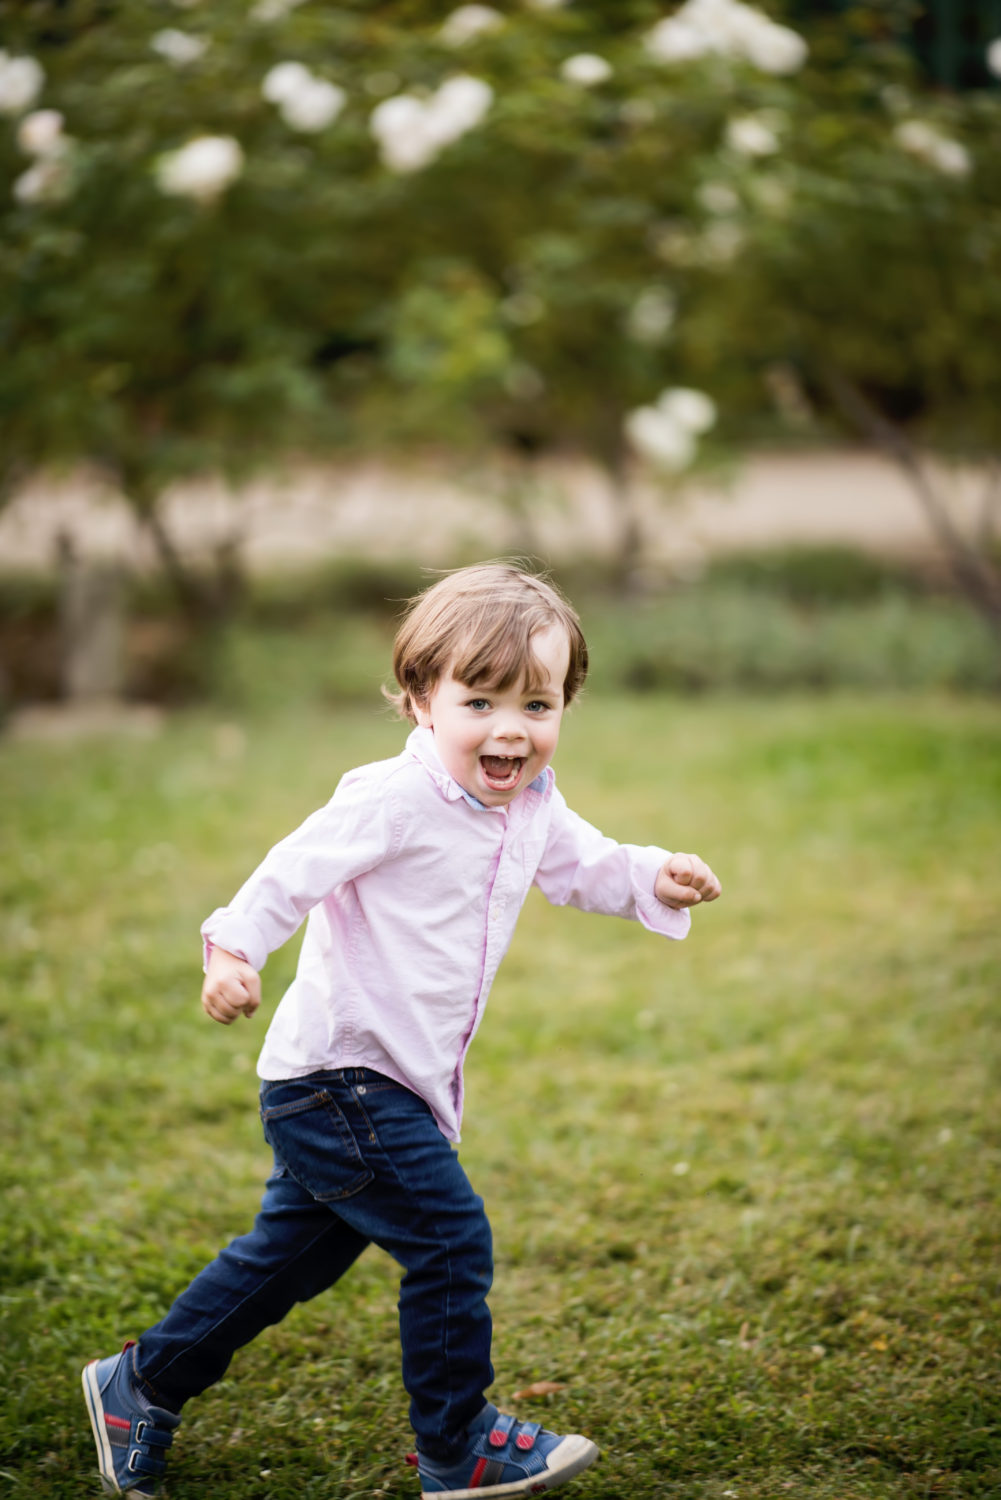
117,1422
477,1474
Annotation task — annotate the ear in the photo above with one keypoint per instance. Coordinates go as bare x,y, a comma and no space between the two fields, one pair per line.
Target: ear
422,712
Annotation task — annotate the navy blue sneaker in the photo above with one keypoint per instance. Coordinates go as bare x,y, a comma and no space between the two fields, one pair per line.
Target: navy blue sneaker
507,1458
132,1435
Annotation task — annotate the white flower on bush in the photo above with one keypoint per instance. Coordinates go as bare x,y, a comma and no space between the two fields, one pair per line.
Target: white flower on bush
314,107
994,57
399,126
304,101
752,135
660,440
651,316
730,29
272,10
284,80
202,169
411,131
46,181
468,22
586,68
178,47
718,198
936,150
459,105
666,433
41,133
21,80
765,44
675,40
693,410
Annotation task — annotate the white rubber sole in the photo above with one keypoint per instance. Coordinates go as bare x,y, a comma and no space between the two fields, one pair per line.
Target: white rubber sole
570,1458
95,1411
105,1458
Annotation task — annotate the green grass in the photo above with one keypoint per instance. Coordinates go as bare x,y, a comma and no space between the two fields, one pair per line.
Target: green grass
744,1189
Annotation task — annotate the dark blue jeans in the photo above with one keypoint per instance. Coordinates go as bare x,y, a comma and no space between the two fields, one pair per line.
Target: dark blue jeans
358,1161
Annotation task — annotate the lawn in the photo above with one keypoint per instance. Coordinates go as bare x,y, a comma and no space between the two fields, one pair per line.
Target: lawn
745,1190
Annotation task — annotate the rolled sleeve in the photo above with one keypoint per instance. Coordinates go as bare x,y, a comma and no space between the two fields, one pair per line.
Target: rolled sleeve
654,915
229,930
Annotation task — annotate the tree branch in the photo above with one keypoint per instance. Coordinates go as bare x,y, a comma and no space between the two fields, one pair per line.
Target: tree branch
974,573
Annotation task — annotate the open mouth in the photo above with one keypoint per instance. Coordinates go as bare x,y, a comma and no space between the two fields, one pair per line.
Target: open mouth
501,772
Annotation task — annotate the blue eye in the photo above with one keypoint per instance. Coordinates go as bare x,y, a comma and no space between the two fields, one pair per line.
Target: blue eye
478,703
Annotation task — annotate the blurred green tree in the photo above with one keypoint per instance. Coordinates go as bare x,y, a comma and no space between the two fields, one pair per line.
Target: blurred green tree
233,234
870,272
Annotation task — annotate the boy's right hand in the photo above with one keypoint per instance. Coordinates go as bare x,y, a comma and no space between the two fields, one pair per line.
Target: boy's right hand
232,987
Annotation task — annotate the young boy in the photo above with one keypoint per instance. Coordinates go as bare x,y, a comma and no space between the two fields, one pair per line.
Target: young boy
412,878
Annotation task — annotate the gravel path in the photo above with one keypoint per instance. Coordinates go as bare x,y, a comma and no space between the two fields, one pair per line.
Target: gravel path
851,497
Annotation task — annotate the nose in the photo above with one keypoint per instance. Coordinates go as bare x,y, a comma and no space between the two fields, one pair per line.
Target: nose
509,727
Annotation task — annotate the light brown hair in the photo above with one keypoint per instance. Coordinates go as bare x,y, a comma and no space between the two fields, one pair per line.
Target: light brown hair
477,624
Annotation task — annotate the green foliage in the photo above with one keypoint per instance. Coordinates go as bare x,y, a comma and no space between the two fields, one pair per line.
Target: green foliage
744,1188
323,297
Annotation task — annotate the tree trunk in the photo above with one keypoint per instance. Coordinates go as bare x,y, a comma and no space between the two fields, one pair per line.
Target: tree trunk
975,573
204,597
92,627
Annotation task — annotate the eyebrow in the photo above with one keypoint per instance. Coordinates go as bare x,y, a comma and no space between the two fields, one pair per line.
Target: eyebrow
484,689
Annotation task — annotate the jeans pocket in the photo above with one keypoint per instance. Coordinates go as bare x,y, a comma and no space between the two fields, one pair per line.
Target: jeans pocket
307,1130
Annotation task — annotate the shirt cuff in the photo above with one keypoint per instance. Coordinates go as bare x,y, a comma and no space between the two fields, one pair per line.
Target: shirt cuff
654,915
225,929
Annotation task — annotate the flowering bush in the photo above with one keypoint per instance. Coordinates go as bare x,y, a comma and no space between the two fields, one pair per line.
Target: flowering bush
295,226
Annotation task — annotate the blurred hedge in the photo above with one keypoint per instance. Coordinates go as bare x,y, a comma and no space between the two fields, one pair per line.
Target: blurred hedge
815,619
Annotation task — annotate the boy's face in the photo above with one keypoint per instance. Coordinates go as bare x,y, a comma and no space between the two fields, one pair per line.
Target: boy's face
494,742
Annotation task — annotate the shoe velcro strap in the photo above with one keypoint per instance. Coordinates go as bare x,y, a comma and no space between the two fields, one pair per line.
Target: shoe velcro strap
155,1437
145,1463
526,1437
501,1430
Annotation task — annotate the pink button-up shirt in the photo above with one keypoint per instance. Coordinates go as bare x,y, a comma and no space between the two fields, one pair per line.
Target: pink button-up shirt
412,892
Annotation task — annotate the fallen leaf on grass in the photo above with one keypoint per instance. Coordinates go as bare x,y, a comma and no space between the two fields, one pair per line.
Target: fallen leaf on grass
540,1388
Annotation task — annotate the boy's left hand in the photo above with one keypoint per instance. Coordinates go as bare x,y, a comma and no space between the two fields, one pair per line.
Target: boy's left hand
685,880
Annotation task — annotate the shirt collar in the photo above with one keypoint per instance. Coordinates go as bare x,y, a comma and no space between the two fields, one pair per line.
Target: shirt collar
421,745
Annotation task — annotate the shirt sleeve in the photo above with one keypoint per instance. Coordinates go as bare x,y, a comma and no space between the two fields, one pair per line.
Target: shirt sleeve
354,832
582,867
